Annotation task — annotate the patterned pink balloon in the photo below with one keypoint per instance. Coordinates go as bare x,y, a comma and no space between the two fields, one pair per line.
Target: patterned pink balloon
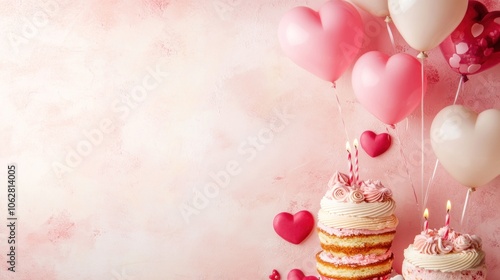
474,46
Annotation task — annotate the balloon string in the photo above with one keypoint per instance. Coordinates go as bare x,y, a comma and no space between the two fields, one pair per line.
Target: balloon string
389,30
469,192
431,180
430,183
460,83
339,107
405,163
422,170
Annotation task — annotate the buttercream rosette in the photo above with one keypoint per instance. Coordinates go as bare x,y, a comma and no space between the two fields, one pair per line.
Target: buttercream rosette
341,190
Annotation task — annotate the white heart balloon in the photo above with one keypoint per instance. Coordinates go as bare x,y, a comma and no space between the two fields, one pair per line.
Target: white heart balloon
468,144
424,24
378,8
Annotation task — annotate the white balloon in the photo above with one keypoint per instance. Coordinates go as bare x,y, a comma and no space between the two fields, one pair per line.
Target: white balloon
378,8
467,144
424,24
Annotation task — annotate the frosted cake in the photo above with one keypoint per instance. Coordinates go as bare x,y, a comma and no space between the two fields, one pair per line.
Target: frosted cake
356,227
433,257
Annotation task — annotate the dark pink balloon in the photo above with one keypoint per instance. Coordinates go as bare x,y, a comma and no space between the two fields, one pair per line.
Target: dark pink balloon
474,46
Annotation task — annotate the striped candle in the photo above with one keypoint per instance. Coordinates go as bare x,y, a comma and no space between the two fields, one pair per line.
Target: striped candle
356,163
447,220
348,148
426,217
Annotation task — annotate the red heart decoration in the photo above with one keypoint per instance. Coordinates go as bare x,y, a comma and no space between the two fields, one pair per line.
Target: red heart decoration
297,274
294,228
275,275
474,45
373,144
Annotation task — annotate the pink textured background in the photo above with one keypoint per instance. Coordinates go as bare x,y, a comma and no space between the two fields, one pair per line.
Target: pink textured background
68,68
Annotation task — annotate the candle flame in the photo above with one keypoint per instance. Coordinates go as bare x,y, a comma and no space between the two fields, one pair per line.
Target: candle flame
448,206
348,147
355,143
426,213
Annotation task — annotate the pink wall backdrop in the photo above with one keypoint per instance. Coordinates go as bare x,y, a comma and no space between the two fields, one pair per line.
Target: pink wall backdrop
120,114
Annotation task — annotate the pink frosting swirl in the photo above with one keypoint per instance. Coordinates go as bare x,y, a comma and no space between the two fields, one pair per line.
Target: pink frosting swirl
451,233
339,179
432,242
462,243
356,196
429,232
476,242
340,193
432,245
444,246
375,191
424,245
339,184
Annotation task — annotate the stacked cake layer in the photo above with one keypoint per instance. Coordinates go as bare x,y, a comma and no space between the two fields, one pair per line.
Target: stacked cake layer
356,226
434,257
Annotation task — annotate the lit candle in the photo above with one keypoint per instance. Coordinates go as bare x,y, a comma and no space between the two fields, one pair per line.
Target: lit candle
348,148
356,164
426,217
447,220
448,208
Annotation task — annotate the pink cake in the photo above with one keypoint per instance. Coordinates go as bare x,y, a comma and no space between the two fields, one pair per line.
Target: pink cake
356,227
432,257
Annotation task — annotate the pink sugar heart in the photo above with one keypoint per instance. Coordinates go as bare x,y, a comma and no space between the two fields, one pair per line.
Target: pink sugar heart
297,274
294,228
373,144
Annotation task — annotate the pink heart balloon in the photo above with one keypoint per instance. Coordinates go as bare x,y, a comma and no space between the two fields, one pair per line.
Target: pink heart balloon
474,46
297,274
389,87
294,228
468,144
373,144
324,43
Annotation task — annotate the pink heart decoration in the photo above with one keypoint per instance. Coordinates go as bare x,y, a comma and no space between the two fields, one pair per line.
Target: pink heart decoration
389,87
467,144
474,46
324,43
297,274
294,228
373,144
